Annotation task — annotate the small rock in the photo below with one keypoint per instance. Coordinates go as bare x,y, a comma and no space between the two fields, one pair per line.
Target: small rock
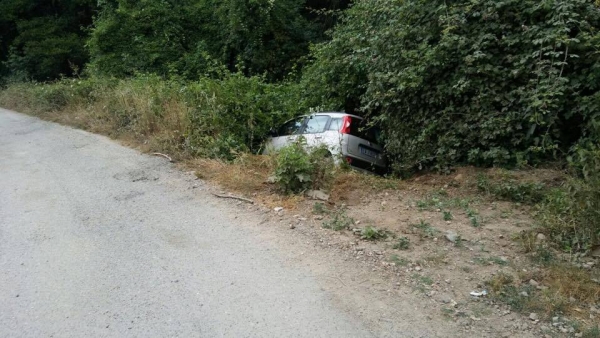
451,236
292,226
533,283
278,209
524,294
504,259
417,268
534,317
317,195
544,328
540,237
318,217
579,334
555,319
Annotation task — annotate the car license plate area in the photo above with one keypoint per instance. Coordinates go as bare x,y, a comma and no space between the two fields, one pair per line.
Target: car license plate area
368,152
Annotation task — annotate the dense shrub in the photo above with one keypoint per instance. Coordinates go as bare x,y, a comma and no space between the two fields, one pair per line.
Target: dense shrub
485,82
235,114
293,169
298,168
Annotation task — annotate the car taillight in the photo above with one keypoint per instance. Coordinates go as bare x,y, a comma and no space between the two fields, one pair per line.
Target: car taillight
346,122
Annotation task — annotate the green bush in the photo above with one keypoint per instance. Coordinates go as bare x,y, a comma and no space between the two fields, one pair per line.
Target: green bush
485,82
298,169
571,214
235,114
294,169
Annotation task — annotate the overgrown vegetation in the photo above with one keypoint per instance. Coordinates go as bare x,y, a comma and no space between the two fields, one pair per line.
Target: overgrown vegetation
298,169
512,189
570,214
484,82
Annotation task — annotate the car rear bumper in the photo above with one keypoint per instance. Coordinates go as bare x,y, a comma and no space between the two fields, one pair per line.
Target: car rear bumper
362,165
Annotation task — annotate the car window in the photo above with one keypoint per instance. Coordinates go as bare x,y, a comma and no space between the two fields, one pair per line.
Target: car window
366,132
316,124
291,127
336,124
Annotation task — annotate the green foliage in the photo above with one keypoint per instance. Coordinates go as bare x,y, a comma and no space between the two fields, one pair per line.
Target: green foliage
485,82
235,114
371,233
512,189
571,214
191,38
43,40
319,208
339,221
402,244
447,215
293,170
398,261
298,168
426,230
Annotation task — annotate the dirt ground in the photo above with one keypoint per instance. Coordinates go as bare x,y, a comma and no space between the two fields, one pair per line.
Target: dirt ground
442,242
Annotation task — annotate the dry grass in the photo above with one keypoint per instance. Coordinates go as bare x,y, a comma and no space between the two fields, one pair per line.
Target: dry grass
563,289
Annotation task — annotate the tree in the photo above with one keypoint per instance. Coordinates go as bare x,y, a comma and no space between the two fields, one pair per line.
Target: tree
43,40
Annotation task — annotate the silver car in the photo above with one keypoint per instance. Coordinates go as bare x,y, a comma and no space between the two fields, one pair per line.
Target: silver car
346,136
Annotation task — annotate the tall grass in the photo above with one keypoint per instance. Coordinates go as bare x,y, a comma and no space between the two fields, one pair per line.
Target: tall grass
219,118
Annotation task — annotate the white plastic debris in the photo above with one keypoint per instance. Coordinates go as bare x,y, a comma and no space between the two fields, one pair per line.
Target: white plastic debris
478,294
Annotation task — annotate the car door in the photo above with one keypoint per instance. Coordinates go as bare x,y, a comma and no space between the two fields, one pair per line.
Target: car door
286,134
314,129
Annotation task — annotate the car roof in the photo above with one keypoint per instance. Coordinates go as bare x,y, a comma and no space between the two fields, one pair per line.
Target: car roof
335,114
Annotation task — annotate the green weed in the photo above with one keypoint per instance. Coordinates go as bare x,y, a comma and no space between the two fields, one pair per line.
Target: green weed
339,221
447,215
403,243
398,261
426,230
372,234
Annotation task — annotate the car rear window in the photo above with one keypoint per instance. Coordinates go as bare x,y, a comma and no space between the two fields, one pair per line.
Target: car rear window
363,130
336,124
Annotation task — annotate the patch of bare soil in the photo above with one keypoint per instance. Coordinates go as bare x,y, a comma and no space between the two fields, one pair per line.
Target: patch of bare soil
431,244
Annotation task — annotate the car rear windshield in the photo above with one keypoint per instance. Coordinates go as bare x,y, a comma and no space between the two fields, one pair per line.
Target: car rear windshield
363,130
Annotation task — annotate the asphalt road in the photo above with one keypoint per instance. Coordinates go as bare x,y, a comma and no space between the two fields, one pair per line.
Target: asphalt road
98,240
